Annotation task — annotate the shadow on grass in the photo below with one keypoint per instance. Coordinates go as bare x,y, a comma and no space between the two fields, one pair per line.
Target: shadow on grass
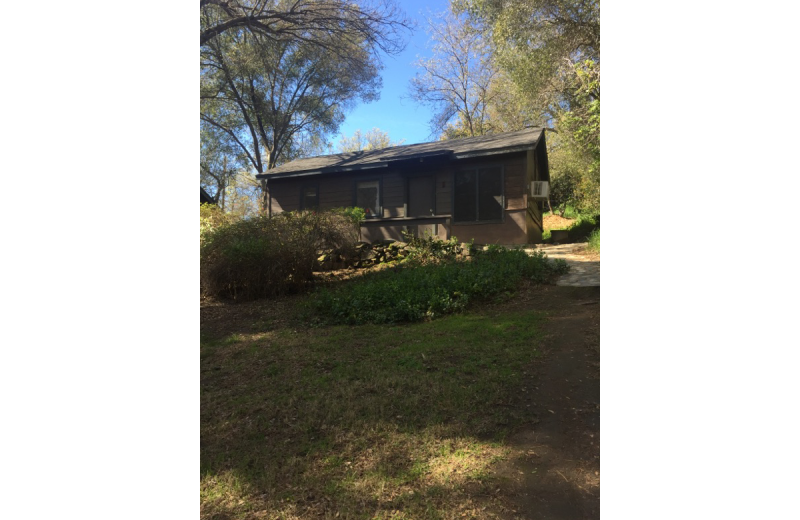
580,231
393,421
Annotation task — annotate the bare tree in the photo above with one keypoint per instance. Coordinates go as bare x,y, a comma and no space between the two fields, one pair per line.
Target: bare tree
456,79
325,23
374,139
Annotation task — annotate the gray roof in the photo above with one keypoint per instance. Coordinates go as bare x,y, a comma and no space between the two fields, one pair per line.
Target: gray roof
453,148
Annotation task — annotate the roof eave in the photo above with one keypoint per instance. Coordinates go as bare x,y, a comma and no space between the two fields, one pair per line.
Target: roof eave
481,153
319,171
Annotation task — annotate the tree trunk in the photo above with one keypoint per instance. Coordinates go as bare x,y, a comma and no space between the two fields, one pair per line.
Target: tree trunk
264,198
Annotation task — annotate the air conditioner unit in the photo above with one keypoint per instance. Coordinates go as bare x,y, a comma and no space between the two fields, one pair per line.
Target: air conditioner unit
540,189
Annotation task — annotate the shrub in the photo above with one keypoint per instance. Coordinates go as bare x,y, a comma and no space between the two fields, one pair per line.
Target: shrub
583,227
415,291
564,191
212,217
262,256
354,215
432,248
594,240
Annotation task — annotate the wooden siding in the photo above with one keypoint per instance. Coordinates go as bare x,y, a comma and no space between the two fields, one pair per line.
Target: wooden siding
444,188
515,186
337,190
393,195
510,231
534,219
284,197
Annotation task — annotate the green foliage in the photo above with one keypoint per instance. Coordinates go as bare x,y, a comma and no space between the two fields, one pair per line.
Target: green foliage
594,240
537,41
582,228
416,291
570,211
353,214
431,248
574,175
581,125
262,256
275,99
564,189
212,217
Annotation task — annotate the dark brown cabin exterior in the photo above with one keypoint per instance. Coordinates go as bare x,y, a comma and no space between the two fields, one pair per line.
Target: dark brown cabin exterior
474,188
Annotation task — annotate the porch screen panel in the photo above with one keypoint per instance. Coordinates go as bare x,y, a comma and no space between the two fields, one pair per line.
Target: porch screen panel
490,194
464,188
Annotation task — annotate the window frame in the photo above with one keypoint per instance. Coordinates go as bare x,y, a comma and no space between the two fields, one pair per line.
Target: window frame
476,169
379,180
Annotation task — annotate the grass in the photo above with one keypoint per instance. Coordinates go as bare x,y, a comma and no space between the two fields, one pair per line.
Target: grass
594,240
580,230
569,212
367,421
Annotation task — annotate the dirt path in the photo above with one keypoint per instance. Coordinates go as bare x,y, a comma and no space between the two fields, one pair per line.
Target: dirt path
554,473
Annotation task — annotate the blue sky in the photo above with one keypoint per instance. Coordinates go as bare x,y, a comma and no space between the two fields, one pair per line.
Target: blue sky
394,113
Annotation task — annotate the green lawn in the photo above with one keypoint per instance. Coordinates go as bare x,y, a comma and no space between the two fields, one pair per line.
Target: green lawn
367,421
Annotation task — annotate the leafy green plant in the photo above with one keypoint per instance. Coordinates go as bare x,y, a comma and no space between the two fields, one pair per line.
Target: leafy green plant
594,240
212,217
416,290
353,214
432,248
583,227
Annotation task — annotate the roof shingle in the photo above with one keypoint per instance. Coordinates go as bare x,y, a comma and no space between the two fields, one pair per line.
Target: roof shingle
469,146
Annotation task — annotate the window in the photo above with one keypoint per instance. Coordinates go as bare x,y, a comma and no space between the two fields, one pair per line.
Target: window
368,198
478,195
309,197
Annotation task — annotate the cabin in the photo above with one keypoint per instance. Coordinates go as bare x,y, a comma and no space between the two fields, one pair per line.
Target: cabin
475,188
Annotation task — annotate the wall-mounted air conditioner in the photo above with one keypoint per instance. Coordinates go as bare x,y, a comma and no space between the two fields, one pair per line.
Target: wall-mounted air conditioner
540,189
